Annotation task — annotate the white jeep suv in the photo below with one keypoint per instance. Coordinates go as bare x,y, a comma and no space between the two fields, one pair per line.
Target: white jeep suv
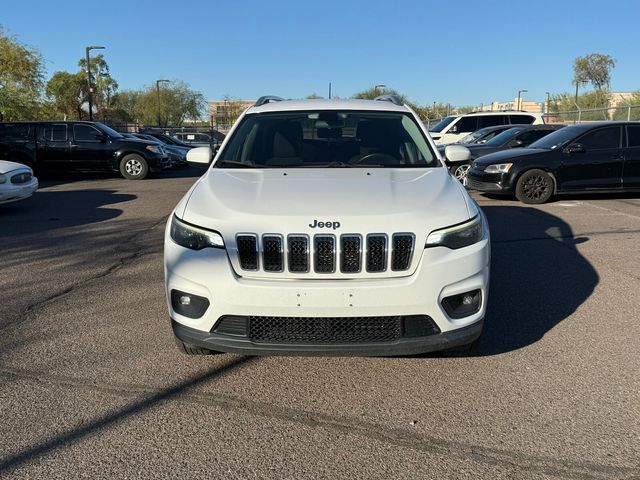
327,227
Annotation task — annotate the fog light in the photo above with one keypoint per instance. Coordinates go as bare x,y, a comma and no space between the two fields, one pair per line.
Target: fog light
463,304
189,305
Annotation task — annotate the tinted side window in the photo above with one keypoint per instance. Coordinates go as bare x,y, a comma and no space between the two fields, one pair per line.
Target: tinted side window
55,132
86,133
15,131
467,124
634,136
601,138
523,119
492,120
531,136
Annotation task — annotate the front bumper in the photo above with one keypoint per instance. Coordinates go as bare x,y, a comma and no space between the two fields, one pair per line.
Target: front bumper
441,273
487,182
12,193
405,346
160,162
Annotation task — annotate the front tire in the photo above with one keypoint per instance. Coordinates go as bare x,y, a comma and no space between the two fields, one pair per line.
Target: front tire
534,187
189,349
134,167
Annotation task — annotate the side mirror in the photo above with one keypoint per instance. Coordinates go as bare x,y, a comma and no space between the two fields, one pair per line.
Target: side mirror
575,148
457,154
200,157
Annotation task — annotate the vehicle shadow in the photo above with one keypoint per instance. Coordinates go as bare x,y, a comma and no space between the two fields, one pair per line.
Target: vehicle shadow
48,210
538,277
48,179
570,196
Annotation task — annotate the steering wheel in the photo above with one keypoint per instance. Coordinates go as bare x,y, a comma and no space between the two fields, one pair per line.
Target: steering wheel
381,156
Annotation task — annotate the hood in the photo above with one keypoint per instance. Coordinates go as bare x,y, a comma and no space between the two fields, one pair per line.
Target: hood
6,167
509,155
361,200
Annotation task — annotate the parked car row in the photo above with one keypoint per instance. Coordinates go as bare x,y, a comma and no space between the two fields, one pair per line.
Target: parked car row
518,136
76,145
592,157
453,128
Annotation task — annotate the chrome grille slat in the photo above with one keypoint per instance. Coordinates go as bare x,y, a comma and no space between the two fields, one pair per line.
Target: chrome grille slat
351,253
272,253
376,253
401,251
298,253
247,251
324,253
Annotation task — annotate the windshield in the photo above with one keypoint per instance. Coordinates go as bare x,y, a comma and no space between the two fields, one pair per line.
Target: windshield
557,139
438,127
478,134
109,131
503,137
327,139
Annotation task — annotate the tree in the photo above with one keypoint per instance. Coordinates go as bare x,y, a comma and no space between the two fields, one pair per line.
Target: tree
594,68
104,85
175,103
67,93
21,79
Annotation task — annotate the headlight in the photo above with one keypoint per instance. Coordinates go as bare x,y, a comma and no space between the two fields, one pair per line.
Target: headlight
499,168
192,237
154,148
3,179
458,236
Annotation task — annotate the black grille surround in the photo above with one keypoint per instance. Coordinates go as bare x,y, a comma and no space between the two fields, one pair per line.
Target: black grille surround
324,253
334,330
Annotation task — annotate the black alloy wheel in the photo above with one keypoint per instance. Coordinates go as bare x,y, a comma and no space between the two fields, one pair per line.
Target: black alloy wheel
534,187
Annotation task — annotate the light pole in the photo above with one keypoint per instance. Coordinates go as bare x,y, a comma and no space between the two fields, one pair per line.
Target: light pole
578,82
87,50
158,96
519,104
548,102
381,86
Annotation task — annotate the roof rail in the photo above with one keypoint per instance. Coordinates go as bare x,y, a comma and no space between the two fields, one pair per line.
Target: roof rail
266,99
395,99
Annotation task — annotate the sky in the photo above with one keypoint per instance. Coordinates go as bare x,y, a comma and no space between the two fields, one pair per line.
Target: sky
463,53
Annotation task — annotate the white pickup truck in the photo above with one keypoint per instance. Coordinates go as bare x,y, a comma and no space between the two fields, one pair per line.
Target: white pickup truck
326,227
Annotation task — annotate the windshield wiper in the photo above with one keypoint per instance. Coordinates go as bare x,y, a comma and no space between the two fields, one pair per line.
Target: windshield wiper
234,164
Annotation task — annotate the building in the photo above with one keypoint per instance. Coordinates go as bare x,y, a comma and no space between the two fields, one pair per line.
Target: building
525,105
224,113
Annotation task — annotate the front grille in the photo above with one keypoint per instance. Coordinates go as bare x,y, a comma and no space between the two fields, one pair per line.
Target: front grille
21,178
338,330
324,253
482,186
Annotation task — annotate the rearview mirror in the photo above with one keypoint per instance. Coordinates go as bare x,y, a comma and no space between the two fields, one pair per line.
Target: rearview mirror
200,157
457,153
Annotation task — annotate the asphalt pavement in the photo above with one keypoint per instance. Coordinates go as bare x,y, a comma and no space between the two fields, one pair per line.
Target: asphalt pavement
92,385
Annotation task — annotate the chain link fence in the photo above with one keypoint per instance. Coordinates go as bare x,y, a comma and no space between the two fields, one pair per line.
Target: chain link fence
580,115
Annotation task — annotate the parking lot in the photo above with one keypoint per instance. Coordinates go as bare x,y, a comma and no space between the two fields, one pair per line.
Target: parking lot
92,385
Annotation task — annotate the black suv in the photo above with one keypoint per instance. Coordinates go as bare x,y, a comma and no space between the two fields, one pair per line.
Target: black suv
593,157
53,146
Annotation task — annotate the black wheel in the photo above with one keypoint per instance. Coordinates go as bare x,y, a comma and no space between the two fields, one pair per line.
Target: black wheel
189,349
134,167
460,172
534,187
